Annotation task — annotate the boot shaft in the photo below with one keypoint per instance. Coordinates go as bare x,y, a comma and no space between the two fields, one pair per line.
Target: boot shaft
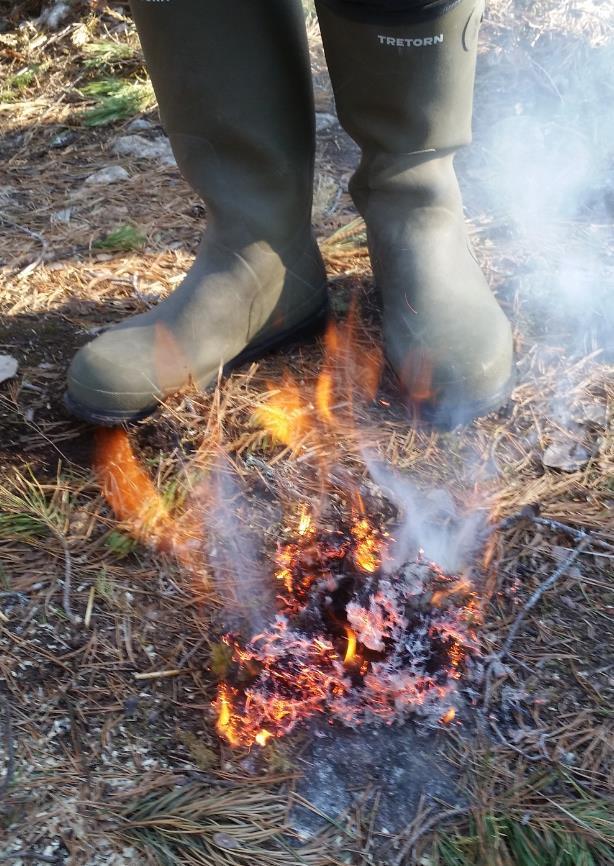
403,86
233,83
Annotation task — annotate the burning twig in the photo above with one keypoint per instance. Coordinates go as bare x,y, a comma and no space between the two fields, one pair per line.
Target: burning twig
497,658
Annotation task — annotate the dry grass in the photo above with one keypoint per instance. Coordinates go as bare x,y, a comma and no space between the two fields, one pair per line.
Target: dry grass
103,758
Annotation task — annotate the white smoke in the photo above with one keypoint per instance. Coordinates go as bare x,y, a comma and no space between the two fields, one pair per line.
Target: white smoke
429,522
241,582
542,168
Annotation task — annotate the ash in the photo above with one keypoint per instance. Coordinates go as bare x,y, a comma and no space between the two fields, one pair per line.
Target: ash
383,772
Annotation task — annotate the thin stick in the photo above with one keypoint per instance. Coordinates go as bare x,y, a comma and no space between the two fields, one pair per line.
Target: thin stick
544,587
89,607
67,578
160,675
556,525
530,604
9,747
580,534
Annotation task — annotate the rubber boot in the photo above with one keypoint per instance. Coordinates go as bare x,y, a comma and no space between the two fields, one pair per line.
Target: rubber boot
404,92
233,83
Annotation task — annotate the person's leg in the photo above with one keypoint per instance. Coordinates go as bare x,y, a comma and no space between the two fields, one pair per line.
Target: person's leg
403,74
233,83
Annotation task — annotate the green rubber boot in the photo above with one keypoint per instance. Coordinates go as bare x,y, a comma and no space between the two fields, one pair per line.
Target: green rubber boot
232,78
404,92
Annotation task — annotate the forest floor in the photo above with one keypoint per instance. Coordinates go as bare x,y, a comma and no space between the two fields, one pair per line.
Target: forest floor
108,738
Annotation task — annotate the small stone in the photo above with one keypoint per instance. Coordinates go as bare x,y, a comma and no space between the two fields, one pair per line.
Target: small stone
62,139
8,367
110,174
139,124
565,456
61,216
591,415
144,148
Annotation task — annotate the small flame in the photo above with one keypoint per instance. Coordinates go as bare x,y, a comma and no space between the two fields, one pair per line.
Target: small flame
457,588
284,416
449,716
350,652
263,736
324,397
127,487
225,727
304,523
367,547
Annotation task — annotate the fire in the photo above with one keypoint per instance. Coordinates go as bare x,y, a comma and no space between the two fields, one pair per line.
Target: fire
351,370
304,522
366,553
448,716
457,588
127,487
284,415
225,722
323,397
263,736
348,642
350,652
307,664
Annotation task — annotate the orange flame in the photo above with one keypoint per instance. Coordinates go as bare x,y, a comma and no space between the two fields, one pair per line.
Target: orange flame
324,397
284,416
135,501
449,716
263,736
225,726
128,489
304,522
367,548
350,652
457,588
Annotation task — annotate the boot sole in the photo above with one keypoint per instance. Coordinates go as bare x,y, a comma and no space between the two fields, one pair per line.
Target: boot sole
448,417
310,327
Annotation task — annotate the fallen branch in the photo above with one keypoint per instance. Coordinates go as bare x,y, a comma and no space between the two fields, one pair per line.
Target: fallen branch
498,657
529,513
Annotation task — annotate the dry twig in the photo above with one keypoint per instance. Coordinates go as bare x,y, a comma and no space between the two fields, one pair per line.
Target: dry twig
530,604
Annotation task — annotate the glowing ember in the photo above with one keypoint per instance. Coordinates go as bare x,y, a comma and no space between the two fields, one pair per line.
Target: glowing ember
349,643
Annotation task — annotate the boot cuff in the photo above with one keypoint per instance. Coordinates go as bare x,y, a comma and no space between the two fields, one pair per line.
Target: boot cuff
391,11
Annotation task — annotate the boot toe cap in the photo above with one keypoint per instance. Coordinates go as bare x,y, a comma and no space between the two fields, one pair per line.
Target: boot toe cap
109,384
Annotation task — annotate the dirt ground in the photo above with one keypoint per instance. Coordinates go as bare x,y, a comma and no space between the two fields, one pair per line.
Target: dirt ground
110,753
